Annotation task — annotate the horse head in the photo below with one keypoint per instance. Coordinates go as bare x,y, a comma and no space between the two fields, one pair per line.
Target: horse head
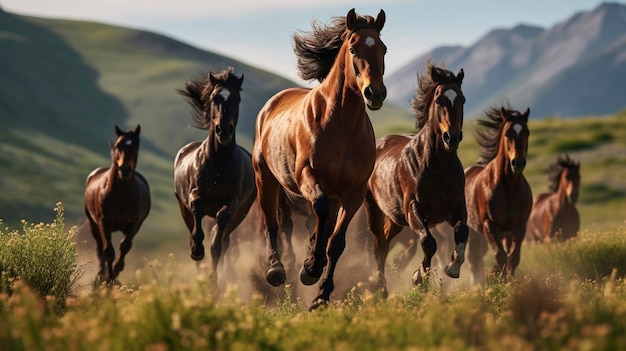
365,56
447,106
124,151
222,106
515,133
569,177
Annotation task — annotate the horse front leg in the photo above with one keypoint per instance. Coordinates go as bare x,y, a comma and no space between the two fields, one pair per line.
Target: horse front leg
108,253
220,236
336,245
316,257
514,252
461,233
428,242
267,197
196,247
125,245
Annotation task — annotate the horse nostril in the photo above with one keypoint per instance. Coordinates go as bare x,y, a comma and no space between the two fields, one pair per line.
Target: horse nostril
369,93
218,129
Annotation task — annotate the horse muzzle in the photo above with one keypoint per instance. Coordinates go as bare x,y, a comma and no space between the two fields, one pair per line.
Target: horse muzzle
518,164
125,172
374,98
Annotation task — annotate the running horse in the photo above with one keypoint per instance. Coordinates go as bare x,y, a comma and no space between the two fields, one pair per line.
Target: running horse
554,214
117,198
499,199
214,178
319,144
418,179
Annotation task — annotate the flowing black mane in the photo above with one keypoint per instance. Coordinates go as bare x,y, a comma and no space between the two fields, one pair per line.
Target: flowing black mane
426,91
489,131
316,50
554,174
198,93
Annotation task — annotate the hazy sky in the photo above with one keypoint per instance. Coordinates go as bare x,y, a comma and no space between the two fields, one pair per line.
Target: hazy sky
258,32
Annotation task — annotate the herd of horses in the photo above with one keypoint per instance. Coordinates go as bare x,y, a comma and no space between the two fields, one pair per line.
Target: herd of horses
315,154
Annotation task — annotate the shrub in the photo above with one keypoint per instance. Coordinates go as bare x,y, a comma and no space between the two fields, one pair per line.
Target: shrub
43,257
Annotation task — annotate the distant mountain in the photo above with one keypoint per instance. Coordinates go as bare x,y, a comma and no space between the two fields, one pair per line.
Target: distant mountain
574,68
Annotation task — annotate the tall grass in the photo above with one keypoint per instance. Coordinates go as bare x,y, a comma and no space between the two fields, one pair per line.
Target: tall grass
568,296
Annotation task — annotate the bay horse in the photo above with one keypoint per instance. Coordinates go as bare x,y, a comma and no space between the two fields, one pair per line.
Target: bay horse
117,198
418,179
554,214
499,199
319,144
214,178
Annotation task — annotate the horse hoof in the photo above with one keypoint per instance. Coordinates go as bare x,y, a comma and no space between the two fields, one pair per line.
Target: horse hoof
318,303
306,279
453,270
275,275
197,253
418,276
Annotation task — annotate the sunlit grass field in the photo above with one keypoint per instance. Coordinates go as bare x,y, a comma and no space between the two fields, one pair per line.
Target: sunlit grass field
565,296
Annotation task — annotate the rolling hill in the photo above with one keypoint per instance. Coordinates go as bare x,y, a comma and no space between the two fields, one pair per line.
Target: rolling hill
575,68
65,84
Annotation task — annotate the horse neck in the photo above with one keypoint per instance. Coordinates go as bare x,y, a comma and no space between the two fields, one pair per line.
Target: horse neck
115,181
213,149
430,146
343,99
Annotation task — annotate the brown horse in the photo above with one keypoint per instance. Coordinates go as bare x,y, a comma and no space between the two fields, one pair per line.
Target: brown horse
319,143
117,198
554,214
498,196
214,178
418,179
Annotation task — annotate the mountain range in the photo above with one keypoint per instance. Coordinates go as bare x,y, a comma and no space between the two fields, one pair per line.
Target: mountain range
574,68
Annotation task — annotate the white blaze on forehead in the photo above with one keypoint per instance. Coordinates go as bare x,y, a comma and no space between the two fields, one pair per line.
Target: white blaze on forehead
369,41
225,93
451,95
128,142
517,128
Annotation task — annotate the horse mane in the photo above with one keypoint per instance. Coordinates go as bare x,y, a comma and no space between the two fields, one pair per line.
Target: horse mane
426,91
317,50
554,174
489,131
198,93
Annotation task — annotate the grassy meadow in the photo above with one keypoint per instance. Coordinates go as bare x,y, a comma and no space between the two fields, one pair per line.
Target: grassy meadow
565,296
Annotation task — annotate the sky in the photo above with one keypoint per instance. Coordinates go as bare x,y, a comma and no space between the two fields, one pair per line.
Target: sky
259,32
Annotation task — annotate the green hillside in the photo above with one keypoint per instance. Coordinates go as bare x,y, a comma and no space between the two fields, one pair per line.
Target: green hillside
66,83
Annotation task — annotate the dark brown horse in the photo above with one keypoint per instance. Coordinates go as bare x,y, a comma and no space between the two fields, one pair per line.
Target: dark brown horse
554,214
214,178
117,198
319,143
418,179
498,196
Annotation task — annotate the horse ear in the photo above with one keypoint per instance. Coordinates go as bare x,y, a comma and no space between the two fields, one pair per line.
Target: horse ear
460,75
503,113
435,74
351,19
118,131
240,80
526,113
212,79
380,20
138,129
